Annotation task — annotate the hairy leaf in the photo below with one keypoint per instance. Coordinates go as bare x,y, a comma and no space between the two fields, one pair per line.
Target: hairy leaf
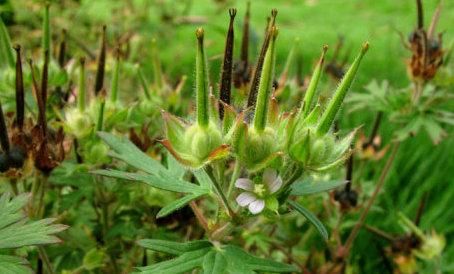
311,218
17,231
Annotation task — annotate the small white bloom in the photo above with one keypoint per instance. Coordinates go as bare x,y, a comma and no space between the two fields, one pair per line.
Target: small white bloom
255,194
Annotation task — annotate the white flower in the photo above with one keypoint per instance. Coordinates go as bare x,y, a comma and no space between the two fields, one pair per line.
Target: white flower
255,194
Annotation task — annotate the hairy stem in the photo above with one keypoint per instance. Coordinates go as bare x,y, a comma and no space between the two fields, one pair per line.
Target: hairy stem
381,181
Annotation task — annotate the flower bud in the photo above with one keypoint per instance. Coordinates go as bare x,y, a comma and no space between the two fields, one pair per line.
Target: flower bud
78,123
202,141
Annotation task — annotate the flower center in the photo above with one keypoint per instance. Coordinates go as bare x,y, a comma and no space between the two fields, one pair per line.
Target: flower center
259,190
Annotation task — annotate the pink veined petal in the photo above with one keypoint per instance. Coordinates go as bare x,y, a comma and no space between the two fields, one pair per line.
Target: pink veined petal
276,185
245,198
256,206
269,175
245,184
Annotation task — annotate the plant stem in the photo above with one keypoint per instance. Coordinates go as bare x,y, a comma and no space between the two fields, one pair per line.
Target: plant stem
377,189
235,175
220,193
375,128
43,255
199,215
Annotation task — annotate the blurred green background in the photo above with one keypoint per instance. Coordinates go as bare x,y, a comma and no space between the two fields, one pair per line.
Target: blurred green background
420,166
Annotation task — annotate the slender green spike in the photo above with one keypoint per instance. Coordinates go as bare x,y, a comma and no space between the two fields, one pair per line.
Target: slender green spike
102,104
290,58
157,70
46,30
312,88
201,84
62,50
115,77
82,88
252,98
227,67
335,103
265,84
6,49
143,82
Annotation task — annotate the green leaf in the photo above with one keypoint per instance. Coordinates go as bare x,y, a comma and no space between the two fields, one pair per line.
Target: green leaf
305,187
311,218
237,257
214,263
173,248
186,262
17,231
175,167
13,265
203,178
130,154
161,182
94,259
6,49
175,205
212,259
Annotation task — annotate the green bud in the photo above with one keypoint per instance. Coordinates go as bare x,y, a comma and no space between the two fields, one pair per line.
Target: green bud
78,123
202,141
335,103
257,148
193,146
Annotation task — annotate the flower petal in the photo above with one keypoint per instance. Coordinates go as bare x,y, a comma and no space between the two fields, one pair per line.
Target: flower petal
245,184
276,185
269,175
256,206
245,198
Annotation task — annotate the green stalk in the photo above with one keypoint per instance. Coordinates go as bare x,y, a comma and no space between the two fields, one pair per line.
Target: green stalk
265,84
114,85
235,175
157,71
339,95
102,103
201,84
312,88
46,30
144,83
82,90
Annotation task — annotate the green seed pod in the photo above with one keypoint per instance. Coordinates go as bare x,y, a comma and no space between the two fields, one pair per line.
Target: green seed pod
335,103
202,91
265,84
